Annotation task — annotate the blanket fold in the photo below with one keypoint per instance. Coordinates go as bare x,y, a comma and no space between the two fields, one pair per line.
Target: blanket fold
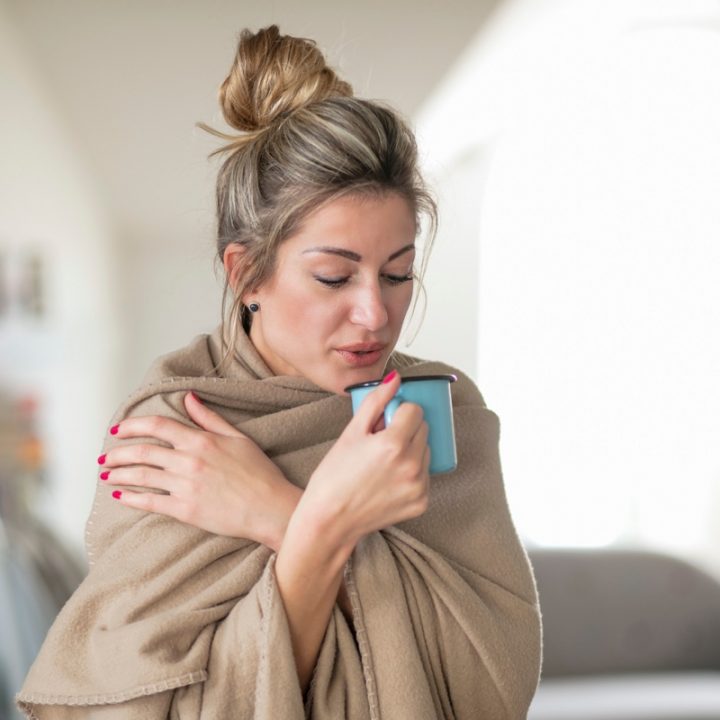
175,622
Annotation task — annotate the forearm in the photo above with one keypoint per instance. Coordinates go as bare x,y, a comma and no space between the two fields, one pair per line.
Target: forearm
286,504
309,569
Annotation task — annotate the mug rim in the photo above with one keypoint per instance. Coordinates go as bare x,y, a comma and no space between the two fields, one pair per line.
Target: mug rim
371,383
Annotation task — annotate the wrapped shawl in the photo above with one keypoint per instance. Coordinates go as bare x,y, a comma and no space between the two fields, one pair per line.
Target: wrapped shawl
175,622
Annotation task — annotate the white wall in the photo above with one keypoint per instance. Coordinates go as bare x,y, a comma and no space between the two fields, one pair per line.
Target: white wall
48,206
449,329
595,126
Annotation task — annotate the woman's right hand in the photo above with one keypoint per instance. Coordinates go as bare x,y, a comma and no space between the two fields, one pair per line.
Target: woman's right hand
371,480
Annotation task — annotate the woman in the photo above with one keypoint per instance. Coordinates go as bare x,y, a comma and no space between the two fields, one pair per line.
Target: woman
256,551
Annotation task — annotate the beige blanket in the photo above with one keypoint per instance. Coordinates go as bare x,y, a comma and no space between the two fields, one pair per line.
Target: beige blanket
175,622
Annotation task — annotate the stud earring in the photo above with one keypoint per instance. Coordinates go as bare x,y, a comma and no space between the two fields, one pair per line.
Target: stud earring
253,307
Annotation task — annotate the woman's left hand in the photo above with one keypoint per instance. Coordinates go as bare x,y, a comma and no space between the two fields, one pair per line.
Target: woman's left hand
218,479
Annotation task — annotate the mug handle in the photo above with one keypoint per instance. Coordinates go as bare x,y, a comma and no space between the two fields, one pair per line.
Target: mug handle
390,409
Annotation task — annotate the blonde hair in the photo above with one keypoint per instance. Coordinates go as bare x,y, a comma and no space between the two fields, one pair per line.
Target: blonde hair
305,141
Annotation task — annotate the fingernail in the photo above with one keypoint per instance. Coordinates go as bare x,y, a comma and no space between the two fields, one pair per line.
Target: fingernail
117,494
101,460
105,475
195,396
114,429
389,377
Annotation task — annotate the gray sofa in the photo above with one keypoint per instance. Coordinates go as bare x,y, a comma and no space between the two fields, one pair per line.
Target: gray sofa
628,635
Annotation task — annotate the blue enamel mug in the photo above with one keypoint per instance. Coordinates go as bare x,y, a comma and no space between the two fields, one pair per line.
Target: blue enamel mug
432,393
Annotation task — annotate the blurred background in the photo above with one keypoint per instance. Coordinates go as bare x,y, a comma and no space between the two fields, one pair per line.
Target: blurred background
573,147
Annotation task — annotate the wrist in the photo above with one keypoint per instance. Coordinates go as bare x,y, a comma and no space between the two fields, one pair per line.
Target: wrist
284,501
315,523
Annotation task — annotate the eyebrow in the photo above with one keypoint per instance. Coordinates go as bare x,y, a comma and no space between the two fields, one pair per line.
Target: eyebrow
350,255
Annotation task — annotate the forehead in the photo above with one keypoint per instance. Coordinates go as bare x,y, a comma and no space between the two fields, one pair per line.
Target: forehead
365,225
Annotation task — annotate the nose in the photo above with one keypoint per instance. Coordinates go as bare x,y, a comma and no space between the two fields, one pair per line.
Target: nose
368,308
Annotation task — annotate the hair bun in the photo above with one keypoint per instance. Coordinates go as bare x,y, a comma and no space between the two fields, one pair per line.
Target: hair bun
275,74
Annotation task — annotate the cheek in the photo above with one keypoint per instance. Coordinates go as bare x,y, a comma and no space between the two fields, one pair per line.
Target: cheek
399,304
302,312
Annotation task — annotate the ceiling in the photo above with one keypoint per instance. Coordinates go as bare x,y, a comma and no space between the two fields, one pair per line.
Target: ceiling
130,79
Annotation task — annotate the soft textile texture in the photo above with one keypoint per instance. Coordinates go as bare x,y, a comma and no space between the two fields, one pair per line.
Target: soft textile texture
175,622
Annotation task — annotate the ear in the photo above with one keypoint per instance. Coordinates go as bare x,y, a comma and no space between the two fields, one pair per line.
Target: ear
234,262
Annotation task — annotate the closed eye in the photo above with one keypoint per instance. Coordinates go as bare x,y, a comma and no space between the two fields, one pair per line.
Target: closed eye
331,282
398,279
339,282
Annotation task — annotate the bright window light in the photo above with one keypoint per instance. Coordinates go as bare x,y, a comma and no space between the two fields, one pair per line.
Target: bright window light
599,300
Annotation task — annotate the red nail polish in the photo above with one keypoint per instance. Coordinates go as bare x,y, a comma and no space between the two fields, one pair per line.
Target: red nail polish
105,475
114,429
195,396
389,377
101,460
117,494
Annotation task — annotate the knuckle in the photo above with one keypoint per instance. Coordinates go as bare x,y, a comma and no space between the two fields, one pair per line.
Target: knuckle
204,442
408,471
141,476
412,468
418,483
192,486
420,506
154,424
418,499
419,491
393,450
142,452
195,465
412,411
402,412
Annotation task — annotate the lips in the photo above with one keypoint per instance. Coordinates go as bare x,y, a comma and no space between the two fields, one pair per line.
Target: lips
361,354
362,347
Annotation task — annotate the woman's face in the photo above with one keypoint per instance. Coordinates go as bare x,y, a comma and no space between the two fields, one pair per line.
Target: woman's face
333,309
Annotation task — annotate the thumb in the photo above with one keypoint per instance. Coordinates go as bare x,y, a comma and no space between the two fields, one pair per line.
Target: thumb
208,420
373,406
